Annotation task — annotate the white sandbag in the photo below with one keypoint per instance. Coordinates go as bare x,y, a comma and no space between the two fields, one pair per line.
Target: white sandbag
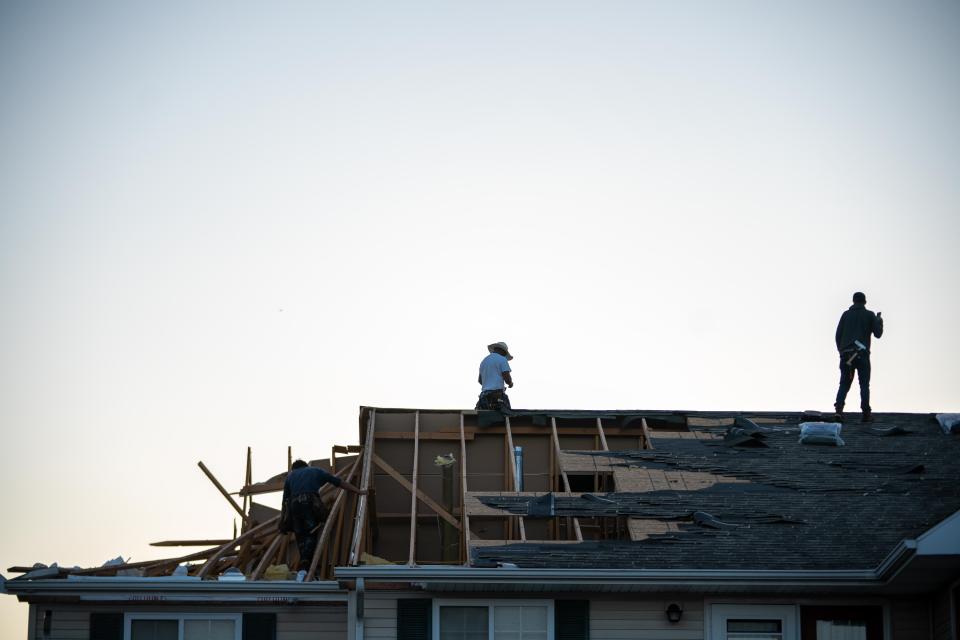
827,433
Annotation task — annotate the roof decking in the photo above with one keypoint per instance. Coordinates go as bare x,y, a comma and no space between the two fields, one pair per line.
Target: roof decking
610,490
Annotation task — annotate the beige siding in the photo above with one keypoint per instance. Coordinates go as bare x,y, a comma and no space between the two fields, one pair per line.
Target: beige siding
910,619
323,622
609,619
644,619
314,623
67,624
941,616
379,618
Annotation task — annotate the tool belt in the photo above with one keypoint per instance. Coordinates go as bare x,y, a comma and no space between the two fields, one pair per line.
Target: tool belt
493,400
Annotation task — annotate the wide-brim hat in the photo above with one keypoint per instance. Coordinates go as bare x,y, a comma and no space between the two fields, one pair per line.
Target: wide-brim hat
502,346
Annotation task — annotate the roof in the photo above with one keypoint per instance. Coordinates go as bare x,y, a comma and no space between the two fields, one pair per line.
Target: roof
782,506
619,500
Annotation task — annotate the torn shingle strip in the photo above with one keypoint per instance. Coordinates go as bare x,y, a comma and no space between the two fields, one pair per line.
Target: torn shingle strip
739,504
856,503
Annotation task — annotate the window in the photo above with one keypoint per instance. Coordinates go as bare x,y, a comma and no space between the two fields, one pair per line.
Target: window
842,623
493,620
753,622
181,626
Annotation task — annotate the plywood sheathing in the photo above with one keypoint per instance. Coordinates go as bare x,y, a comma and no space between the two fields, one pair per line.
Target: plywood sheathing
643,528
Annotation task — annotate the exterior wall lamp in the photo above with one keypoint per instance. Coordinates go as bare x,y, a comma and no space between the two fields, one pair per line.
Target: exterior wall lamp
674,612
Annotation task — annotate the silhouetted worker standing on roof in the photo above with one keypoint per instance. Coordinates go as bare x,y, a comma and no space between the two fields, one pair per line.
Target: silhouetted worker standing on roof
853,342
494,372
301,496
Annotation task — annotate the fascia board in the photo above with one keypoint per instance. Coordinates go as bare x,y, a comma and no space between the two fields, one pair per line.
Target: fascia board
943,539
896,560
603,576
142,589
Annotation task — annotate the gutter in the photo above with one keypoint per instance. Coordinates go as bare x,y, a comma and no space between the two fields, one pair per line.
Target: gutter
896,560
678,577
96,588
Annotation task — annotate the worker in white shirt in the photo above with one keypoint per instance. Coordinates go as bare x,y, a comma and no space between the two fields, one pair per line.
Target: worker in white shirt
494,374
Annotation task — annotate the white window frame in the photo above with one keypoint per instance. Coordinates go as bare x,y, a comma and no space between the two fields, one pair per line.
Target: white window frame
490,604
128,618
721,612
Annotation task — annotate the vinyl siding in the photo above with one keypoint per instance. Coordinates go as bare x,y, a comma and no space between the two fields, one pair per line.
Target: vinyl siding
323,622
910,619
314,623
380,615
644,619
609,619
67,624
941,616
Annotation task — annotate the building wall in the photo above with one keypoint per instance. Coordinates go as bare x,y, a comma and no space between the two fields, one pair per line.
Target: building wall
303,622
644,619
380,615
941,618
910,619
610,619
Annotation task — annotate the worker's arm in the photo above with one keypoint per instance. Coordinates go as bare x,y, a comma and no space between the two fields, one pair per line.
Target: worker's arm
352,489
877,325
479,379
839,333
508,379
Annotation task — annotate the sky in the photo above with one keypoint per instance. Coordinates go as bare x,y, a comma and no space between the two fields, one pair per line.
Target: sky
226,225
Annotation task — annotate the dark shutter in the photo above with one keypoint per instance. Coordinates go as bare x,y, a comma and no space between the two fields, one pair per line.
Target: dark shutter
571,619
106,626
259,626
414,619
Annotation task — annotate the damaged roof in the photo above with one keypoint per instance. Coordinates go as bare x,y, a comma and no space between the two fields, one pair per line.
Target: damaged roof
775,504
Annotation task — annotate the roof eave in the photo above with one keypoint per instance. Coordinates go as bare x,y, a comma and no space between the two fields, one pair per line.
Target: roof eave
161,589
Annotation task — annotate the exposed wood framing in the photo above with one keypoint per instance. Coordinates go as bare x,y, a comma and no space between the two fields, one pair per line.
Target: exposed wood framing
424,498
289,458
188,543
268,556
224,549
324,536
216,483
413,493
563,473
648,443
603,438
465,536
247,481
360,522
513,472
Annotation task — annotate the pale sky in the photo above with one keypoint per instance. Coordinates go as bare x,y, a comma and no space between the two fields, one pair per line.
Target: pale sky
231,224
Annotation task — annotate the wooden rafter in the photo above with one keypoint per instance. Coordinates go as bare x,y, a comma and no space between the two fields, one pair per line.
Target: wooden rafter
424,498
360,522
324,536
216,483
563,473
268,556
463,492
513,475
646,434
224,549
603,437
413,493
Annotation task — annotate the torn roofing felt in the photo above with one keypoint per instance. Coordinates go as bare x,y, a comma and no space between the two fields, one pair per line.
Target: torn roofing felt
800,507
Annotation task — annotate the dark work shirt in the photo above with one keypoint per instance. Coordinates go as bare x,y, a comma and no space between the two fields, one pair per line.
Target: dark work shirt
857,323
307,480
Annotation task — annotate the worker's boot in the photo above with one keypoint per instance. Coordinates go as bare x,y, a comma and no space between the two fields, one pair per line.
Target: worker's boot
866,416
838,413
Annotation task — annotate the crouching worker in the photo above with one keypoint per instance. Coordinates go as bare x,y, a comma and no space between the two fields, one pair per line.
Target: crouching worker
305,510
494,373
